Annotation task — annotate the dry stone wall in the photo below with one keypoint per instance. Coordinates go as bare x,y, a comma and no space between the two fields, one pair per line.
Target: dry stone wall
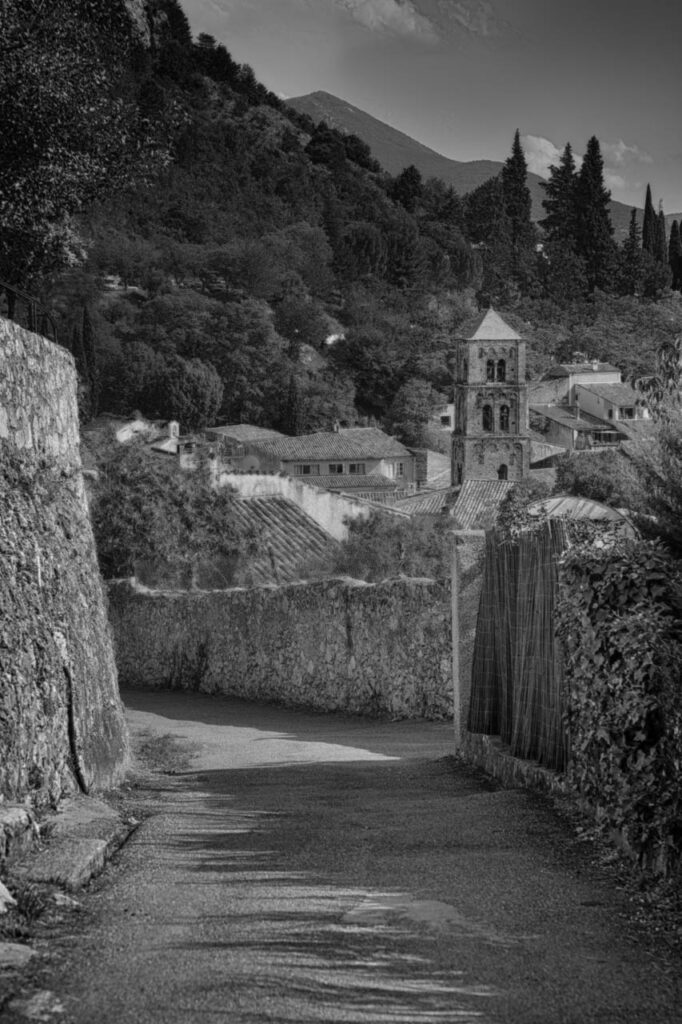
332,645
61,719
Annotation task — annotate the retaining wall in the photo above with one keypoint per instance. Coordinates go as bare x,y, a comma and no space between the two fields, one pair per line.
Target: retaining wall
61,719
330,645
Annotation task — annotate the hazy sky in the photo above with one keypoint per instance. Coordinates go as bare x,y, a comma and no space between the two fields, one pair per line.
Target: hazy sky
462,75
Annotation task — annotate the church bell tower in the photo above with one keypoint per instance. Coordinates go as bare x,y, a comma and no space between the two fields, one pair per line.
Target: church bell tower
490,438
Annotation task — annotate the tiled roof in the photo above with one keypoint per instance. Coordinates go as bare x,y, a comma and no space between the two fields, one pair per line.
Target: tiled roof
619,394
243,432
426,503
291,538
569,507
350,482
478,503
566,416
355,443
568,369
489,326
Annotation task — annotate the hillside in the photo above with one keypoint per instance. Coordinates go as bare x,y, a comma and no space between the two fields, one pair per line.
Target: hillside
394,150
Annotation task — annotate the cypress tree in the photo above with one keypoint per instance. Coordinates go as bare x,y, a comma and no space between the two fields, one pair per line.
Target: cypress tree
632,259
594,232
649,223
675,255
560,200
660,238
91,377
517,204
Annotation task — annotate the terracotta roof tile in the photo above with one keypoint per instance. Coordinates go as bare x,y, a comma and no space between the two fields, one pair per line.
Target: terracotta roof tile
478,503
489,326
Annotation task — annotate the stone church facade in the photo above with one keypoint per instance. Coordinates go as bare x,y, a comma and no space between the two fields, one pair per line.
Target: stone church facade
490,437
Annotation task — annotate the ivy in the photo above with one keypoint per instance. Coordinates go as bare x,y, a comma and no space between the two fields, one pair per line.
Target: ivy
619,621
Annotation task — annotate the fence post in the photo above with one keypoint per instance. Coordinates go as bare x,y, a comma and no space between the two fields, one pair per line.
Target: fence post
456,681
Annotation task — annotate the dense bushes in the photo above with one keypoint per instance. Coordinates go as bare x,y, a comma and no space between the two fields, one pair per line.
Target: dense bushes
619,620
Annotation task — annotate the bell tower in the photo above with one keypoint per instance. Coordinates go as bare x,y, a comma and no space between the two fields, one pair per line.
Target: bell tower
490,438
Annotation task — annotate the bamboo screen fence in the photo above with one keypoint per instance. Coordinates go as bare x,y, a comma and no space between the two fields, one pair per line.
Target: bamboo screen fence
517,677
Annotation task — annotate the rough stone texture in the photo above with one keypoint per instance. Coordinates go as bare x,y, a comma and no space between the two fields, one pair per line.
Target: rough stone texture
334,645
61,719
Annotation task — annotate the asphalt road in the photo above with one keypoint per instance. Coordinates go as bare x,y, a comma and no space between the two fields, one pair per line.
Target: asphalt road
309,868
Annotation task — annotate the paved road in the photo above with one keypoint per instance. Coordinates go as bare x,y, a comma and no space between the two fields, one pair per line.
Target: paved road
305,868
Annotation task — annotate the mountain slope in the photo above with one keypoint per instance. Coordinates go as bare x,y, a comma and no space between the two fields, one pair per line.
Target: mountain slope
394,150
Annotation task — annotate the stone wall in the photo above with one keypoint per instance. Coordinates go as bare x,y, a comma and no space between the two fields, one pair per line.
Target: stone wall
61,720
330,645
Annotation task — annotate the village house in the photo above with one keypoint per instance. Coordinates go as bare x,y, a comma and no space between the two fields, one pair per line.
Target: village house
581,406
354,459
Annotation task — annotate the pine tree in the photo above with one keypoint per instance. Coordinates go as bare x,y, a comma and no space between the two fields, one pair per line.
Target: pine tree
675,256
517,204
560,203
649,223
594,233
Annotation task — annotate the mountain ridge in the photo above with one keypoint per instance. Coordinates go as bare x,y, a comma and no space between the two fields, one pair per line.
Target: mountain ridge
396,150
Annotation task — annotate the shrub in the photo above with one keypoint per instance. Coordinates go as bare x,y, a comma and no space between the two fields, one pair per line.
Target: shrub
619,620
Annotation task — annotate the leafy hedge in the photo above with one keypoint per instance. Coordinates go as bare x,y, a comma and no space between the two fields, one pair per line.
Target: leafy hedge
620,622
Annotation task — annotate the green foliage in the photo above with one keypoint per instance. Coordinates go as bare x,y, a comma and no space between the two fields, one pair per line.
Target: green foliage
619,623
513,517
601,476
384,546
146,510
409,413
71,124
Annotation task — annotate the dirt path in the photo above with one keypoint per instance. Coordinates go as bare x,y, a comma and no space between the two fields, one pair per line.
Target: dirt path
319,868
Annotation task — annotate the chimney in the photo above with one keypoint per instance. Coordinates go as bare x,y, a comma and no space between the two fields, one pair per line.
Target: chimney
336,426
595,365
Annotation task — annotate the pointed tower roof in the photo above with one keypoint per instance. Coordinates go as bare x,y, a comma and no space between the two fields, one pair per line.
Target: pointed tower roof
489,326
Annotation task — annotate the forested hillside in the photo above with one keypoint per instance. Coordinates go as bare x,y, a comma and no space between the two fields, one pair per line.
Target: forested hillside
228,259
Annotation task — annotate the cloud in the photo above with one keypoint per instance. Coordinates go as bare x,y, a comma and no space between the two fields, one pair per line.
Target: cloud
399,17
614,180
540,154
619,154
477,16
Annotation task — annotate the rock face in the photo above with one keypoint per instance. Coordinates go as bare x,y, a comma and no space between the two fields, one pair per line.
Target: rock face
61,719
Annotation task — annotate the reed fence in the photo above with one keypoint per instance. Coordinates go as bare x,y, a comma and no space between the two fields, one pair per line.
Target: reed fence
517,676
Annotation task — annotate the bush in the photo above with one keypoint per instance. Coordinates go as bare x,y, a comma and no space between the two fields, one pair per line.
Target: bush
385,546
619,620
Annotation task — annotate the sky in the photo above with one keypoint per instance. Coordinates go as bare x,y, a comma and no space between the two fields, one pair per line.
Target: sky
461,76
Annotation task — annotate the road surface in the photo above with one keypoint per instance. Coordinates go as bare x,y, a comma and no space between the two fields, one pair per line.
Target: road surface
308,868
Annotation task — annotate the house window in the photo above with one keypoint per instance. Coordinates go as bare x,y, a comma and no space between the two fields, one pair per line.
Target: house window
501,370
502,472
356,468
488,417
335,467
627,414
401,469
445,421
490,370
504,419
610,414
306,469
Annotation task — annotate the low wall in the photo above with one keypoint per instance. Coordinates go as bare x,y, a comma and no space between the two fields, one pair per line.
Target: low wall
330,511
329,645
333,645
61,720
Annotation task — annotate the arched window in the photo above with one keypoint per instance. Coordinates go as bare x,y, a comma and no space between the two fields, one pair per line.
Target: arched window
502,472
487,417
501,369
504,419
490,370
